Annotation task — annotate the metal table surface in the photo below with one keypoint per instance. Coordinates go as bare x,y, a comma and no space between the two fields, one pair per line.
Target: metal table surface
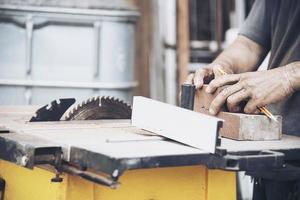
114,146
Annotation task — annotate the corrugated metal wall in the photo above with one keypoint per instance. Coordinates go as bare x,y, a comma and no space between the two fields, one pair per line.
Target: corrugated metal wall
54,52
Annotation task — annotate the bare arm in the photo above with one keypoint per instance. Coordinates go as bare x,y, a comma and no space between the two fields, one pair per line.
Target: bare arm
243,55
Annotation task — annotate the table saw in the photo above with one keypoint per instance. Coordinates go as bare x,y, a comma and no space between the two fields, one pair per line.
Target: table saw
93,152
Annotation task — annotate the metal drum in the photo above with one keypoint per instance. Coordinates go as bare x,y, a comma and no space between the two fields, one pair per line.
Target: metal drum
54,52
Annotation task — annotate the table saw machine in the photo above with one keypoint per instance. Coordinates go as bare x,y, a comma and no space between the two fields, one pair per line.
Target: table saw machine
91,151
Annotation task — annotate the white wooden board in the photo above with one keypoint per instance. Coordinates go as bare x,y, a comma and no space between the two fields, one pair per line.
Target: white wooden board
185,126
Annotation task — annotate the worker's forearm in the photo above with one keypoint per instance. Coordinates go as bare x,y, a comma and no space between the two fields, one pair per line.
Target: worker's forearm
242,56
292,71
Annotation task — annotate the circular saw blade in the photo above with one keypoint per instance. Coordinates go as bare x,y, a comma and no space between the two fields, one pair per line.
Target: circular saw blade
100,108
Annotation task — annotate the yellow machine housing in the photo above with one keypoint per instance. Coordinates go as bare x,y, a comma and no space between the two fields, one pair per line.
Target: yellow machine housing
174,183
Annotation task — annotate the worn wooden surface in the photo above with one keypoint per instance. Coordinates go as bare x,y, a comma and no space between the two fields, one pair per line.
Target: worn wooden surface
241,126
113,138
287,142
117,138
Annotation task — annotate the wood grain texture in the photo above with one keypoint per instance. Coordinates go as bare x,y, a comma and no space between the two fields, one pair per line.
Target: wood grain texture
143,47
204,99
110,137
183,39
286,142
182,125
240,126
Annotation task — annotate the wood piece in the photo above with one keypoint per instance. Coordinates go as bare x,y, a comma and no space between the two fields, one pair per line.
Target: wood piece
143,47
287,142
185,126
183,39
204,99
240,126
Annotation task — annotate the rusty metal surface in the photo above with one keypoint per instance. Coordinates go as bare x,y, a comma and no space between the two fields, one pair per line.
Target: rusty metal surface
26,150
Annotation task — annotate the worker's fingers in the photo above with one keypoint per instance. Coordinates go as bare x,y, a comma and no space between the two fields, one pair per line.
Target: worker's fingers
220,99
252,106
200,74
257,111
221,81
189,79
235,99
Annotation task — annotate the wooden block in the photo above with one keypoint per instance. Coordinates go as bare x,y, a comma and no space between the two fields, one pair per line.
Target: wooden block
185,126
204,99
241,126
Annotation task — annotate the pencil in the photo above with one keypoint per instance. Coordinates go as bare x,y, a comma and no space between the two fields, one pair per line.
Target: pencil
263,109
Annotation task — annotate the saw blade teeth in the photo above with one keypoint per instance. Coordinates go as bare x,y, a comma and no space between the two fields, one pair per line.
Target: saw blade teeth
97,99
77,107
100,107
105,98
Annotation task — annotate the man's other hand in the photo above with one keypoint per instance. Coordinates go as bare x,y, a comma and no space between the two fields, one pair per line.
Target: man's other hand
206,74
257,88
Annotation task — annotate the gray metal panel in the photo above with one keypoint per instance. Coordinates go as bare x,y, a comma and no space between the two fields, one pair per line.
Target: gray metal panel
108,4
22,149
43,96
63,52
12,53
12,95
83,52
116,52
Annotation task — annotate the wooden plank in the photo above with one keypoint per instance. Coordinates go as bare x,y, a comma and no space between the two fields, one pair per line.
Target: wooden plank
143,47
287,142
183,39
204,99
240,126
18,110
185,126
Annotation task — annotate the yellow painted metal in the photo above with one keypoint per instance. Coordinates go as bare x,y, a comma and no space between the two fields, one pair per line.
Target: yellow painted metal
221,185
176,183
25,184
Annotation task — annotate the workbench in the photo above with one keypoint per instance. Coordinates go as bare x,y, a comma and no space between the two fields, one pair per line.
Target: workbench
111,159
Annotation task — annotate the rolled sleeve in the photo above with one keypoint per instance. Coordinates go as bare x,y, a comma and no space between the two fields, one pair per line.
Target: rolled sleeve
257,26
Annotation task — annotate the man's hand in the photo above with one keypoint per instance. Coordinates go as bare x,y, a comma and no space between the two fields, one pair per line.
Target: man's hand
206,74
258,88
241,56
